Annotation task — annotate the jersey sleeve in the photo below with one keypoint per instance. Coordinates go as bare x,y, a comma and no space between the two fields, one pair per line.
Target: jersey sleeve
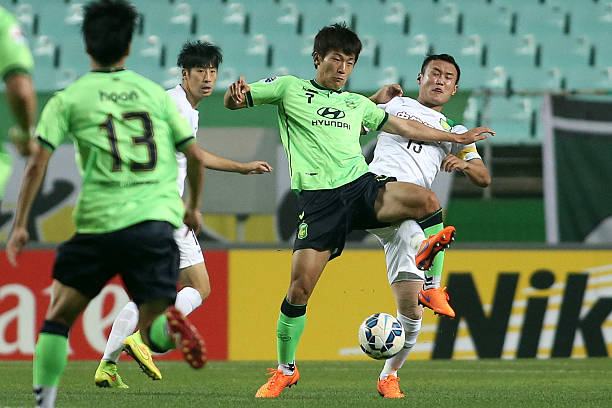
464,152
15,56
373,116
53,124
268,91
182,133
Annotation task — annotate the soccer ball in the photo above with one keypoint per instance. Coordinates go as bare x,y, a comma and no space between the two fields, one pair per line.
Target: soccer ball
381,336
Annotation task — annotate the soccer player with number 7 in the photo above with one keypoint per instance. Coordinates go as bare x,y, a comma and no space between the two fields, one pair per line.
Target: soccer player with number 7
320,126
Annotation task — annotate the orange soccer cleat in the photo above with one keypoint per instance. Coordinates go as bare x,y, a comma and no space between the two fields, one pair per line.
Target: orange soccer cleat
437,300
187,338
389,387
277,383
430,247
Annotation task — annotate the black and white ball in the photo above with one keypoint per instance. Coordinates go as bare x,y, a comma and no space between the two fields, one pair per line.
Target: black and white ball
381,336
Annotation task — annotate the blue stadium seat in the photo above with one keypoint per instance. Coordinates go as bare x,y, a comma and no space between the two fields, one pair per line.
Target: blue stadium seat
515,120
508,51
73,55
273,20
293,56
403,51
374,19
369,79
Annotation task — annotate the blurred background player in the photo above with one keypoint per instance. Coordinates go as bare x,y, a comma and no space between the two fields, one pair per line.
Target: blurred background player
199,62
320,126
126,130
16,66
419,162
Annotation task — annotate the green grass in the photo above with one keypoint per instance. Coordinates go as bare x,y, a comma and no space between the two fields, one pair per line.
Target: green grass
443,384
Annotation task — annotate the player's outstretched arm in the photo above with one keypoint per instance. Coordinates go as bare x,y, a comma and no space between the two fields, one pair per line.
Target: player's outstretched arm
235,96
386,93
34,174
474,169
195,179
411,129
219,163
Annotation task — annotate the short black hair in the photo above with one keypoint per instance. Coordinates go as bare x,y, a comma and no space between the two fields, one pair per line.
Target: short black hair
107,29
441,57
336,37
199,54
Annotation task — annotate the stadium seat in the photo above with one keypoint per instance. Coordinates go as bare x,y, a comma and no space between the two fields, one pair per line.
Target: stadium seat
514,119
540,79
293,56
73,56
508,50
369,79
405,51
392,20
575,53
487,18
273,20
60,20
592,78
318,13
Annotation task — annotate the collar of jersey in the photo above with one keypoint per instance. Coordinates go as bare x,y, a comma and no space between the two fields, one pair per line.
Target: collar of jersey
316,85
109,70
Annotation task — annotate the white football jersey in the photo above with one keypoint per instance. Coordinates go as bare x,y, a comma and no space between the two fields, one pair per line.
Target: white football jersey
413,161
192,115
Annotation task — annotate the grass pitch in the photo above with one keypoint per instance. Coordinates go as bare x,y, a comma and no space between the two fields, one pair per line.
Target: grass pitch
448,384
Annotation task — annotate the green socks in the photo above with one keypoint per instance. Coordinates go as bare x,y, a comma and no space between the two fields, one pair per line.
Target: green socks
431,225
158,334
50,355
289,329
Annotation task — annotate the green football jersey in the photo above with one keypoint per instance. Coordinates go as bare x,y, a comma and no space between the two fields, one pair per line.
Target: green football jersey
126,130
319,128
14,56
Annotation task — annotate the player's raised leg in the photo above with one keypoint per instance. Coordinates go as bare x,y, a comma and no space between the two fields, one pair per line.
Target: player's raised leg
431,253
307,267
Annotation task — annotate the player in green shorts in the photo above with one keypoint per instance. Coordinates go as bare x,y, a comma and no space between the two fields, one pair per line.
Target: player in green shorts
15,68
126,130
320,128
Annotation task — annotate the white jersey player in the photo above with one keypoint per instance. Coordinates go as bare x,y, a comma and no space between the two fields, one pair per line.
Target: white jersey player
199,62
419,163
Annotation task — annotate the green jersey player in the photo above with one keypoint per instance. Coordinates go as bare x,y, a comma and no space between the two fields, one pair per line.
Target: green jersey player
16,66
126,130
320,128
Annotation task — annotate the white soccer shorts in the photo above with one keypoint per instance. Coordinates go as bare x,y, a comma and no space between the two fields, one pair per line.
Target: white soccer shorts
401,243
189,247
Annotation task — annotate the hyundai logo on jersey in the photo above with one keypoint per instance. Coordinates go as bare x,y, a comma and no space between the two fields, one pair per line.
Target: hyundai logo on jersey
331,113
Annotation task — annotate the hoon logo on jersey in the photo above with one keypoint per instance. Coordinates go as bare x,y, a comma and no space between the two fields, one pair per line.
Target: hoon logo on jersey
333,114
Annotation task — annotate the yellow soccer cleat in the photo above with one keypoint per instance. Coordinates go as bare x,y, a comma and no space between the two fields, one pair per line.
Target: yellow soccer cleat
134,346
107,376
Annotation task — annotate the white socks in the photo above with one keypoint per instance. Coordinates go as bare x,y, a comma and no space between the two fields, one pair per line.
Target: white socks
123,326
187,300
412,328
432,282
45,396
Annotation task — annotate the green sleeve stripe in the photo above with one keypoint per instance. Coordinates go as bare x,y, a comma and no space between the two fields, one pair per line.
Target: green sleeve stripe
184,143
249,99
13,71
46,144
383,121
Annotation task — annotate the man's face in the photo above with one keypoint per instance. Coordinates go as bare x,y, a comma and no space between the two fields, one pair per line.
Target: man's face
438,83
334,69
200,81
